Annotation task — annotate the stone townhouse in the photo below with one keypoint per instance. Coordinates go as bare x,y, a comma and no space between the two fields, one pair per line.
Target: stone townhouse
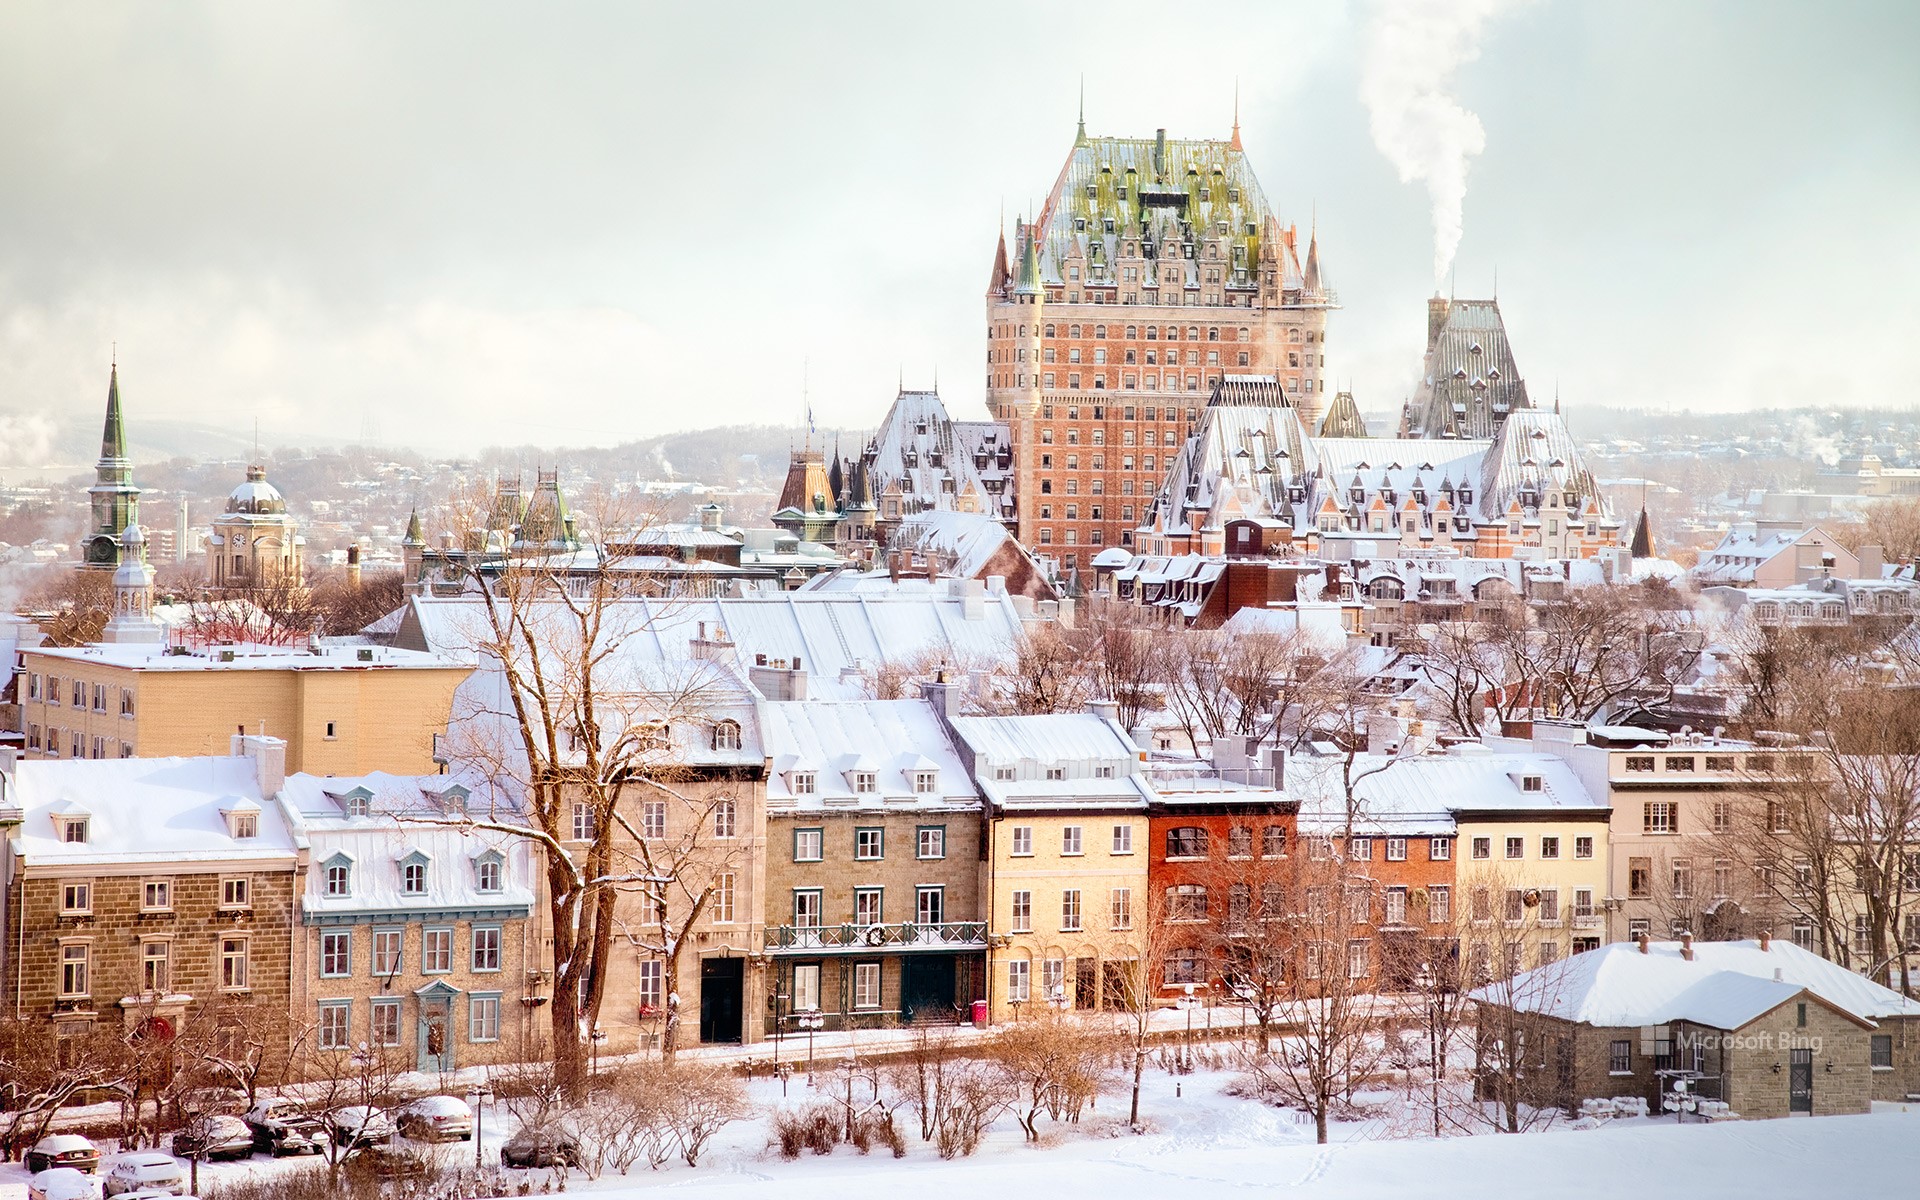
1066,856
1685,810
140,892
414,929
1767,1028
873,887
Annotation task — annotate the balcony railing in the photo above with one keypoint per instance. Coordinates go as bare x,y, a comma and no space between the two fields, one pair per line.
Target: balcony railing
1206,777
905,936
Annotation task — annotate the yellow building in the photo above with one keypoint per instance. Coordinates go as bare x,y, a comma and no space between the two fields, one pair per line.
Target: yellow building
1066,858
345,710
1531,880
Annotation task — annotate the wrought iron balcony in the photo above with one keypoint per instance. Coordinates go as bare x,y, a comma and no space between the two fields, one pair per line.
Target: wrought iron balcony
904,937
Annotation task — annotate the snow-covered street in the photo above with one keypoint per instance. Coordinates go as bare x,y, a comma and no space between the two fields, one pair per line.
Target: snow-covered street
1205,1141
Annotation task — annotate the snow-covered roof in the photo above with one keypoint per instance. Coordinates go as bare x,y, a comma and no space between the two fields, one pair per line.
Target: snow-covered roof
407,820
145,813
157,656
836,637
1053,759
894,738
1427,791
1725,986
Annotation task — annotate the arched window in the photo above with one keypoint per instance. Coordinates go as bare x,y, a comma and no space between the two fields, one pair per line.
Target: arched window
1187,902
726,735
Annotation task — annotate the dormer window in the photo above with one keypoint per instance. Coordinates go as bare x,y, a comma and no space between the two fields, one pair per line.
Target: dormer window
356,803
726,735
1056,773
413,874
243,819
336,877
802,783
74,829
862,781
453,801
1003,774
1531,783
488,872
926,782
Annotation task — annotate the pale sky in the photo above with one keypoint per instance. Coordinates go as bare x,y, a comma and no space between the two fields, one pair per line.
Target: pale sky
465,224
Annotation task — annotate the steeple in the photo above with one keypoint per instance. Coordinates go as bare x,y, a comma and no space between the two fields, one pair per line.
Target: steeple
132,619
414,536
1235,143
114,499
999,281
1642,544
1311,280
1080,135
113,439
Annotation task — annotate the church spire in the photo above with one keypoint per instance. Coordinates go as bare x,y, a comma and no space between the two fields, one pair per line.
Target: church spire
1235,143
1080,135
113,438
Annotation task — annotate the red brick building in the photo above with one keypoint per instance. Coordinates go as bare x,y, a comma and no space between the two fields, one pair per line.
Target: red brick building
1154,269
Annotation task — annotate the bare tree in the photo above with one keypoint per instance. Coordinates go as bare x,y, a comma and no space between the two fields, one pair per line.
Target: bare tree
41,1073
1129,653
1051,1064
609,743
340,1087
1049,673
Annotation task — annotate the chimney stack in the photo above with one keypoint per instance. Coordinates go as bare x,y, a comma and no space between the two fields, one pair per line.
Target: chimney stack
1644,940
1766,940
1686,946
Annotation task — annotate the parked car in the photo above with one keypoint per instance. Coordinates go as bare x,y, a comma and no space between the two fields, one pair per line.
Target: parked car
63,1150
282,1127
63,1183
146,1170
360,1126
547,1146
437,1119
147,1195
213,1137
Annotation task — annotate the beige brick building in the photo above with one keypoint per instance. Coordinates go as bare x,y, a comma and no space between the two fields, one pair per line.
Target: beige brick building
340,710
143,890
874,913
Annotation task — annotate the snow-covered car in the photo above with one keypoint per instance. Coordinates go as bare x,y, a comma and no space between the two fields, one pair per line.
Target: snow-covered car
214,1136
360,1126
63,1183
437,1119
63,1150
145,1170
547,1146
283,1127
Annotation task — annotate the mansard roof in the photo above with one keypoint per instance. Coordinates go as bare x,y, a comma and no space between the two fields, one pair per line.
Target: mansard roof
1469,383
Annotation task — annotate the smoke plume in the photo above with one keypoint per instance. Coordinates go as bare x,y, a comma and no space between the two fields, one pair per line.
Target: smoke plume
1412,48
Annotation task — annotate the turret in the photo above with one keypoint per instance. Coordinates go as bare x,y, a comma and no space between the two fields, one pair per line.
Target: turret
132,619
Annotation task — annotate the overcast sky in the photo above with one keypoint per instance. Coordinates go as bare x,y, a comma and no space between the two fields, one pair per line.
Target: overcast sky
461,224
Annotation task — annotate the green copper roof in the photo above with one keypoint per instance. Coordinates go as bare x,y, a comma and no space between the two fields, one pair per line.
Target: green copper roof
113,439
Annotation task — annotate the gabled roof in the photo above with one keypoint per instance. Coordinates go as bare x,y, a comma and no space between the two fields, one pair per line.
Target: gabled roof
1725,986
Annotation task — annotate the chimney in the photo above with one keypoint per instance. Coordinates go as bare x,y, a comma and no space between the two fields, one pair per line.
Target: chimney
939,694
353,565
1686,946
1106,710
1766,940
269,755
1872,559
779,680
1436,319
1276,764
1644,940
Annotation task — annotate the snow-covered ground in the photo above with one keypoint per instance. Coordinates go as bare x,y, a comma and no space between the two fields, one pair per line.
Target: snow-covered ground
1205,1142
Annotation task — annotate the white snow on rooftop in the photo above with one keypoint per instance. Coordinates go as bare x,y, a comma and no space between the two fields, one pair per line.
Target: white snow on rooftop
892,738
1726,985
145,810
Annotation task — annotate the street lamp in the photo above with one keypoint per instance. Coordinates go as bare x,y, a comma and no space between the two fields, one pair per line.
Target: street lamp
477,1096
810,1020
1186,1045
596,1036
1057,997
1425,981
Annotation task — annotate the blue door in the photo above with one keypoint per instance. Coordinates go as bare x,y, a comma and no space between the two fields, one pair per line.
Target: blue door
436,1033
